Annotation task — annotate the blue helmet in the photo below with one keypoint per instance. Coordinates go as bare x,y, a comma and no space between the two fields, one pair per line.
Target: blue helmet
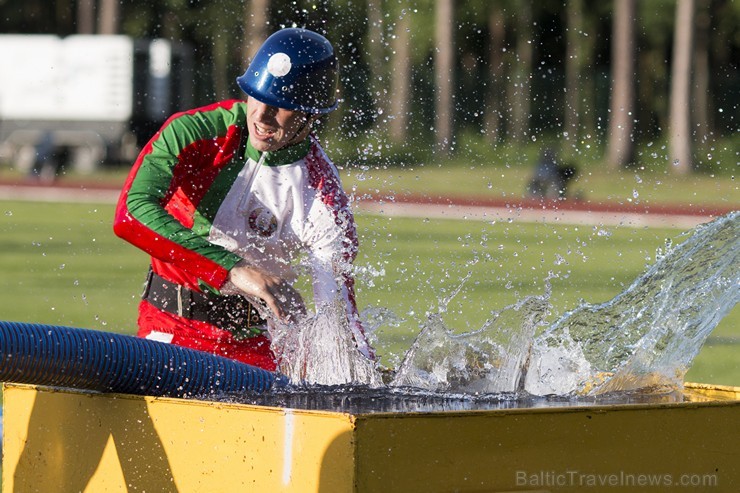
294,69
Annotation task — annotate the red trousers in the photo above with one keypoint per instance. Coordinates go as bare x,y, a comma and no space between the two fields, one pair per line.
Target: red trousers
194,334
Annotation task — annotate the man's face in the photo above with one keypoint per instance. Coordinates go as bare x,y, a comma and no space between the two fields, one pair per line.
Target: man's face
271,128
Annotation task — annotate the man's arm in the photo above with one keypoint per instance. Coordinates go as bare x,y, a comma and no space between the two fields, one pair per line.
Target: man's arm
333,244
279,296
332,280
156,209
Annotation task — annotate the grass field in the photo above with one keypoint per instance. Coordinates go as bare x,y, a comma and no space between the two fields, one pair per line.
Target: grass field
61,264
597,185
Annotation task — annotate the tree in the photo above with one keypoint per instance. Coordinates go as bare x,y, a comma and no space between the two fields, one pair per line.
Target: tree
496,38
574,60
680,118
86,17
620,145
520,89
443,68
255,26
701,71
108,20
376,48
400,93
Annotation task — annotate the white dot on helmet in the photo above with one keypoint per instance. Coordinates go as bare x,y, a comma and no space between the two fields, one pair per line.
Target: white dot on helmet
279,65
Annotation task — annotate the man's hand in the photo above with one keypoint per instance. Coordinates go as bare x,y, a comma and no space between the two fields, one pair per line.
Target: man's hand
281,298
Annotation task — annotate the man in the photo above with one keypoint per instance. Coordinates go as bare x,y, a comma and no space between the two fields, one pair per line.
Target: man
550,179
226,198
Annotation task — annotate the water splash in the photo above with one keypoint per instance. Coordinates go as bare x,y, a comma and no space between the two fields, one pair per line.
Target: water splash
320,350
487,360
359,399
644,339
647,336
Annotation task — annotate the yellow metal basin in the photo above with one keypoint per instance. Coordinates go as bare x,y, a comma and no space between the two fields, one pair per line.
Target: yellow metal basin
62,440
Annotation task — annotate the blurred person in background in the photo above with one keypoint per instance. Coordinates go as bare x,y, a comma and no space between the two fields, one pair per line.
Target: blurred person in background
550,178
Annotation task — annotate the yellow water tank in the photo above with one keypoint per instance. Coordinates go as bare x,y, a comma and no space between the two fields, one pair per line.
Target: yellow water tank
57,440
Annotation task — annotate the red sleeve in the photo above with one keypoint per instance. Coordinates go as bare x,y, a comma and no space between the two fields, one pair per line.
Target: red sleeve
158,202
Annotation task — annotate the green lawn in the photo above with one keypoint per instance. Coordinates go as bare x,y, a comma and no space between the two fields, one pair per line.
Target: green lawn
595,184
61,264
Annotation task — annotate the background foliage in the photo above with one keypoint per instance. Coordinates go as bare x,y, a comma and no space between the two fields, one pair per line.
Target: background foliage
510,62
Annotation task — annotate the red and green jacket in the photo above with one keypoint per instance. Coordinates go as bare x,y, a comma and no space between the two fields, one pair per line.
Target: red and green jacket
199,198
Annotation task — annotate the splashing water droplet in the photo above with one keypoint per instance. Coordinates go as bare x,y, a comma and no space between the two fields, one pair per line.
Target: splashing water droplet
645,338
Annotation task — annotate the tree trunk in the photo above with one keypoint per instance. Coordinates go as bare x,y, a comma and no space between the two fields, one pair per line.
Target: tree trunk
400,81
522,73
220,53
621,146
255,27
574,59
86,17
376,43
680,120
497,34
444,72
108,20
701,72
588,118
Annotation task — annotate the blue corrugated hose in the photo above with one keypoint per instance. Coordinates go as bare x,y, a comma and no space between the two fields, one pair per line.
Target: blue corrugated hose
106,362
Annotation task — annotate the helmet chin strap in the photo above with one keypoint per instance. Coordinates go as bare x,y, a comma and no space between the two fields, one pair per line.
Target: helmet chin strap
288,143
302,128
298,132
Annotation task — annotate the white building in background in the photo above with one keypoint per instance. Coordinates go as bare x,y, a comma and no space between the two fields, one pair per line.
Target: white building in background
91,97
